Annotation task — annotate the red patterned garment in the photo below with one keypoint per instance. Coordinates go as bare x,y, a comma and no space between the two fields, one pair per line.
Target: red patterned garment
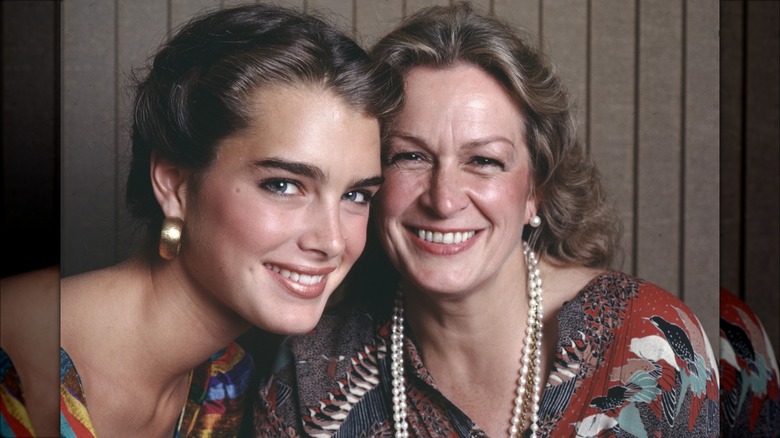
632,360
749,393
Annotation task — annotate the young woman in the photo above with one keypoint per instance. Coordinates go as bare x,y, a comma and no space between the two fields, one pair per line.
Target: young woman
255,154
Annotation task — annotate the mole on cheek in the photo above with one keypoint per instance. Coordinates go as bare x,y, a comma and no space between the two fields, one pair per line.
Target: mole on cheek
238,190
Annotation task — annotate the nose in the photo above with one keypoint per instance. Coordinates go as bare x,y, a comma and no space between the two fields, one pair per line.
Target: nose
324,233
446,193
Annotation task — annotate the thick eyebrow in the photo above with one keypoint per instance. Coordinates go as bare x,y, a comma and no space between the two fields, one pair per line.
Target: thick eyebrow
298,168
368,182
313,172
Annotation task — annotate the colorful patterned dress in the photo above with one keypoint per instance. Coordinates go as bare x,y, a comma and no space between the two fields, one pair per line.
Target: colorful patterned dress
632,360
215,404
14,420
749,394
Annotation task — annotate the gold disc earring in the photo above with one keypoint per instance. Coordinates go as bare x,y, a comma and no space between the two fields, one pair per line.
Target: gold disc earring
170,237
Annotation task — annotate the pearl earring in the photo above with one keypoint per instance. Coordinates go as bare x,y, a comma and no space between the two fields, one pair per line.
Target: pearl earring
535,221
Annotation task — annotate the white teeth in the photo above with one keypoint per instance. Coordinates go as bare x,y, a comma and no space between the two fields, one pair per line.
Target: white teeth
296,276
445,238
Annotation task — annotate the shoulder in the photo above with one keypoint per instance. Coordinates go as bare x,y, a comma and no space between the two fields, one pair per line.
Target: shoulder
29,310
29,334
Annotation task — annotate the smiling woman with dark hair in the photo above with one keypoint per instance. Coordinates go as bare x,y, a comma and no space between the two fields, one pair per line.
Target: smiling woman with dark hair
256,151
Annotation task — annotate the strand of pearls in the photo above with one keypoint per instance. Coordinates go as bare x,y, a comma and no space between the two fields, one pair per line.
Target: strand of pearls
397,368
527,400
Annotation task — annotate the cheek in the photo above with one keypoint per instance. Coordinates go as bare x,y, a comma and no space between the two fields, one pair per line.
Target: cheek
354,229
246,222
396,194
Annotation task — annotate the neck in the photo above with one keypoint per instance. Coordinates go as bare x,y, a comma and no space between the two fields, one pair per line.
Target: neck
466,323
455,336
136,319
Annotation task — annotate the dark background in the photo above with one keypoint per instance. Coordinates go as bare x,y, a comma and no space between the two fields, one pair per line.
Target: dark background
30,134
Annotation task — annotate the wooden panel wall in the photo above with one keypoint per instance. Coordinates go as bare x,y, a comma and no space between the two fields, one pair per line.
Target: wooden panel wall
750,158
644,75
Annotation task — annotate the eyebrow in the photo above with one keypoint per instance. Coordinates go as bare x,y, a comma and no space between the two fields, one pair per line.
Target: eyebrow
313,172
470,145
368,182
295,167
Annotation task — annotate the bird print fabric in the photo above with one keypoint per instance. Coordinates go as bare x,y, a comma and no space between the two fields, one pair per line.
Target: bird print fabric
631,360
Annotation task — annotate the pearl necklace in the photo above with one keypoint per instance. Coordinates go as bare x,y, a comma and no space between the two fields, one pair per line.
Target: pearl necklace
526,403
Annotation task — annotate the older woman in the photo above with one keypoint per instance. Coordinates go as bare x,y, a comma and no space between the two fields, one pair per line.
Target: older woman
506,319
256,150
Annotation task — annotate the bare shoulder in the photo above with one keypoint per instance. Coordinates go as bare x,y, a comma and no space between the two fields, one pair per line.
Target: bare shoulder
29,333
29,306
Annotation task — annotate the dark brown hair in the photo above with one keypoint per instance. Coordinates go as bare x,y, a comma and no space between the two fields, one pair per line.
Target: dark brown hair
197,89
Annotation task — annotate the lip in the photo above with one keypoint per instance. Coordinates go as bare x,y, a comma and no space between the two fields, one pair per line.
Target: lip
292,282
442,249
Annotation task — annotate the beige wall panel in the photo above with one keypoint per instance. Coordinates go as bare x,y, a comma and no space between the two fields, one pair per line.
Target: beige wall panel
415,5
762,180
701,227
228,3
142,25
612,107
373,19
88,135
481,5
183,10
340,12
521,13
294,4
731,64
565,37
660,85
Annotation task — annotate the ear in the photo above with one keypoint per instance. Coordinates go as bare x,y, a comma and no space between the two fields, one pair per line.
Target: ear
169,182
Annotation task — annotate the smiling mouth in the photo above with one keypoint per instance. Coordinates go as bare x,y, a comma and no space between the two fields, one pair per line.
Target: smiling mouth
297,277
444,238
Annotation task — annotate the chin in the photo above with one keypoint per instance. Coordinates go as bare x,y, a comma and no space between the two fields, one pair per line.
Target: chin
295,324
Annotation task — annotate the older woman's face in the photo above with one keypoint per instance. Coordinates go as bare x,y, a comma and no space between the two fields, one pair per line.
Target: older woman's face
457,182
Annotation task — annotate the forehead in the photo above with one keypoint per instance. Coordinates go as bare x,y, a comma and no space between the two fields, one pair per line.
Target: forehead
306,122
461,95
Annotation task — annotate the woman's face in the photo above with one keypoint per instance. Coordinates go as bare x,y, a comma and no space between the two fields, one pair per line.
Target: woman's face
457,182
279,218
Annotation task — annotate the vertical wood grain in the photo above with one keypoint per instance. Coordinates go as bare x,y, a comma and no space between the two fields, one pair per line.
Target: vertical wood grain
612,107
294,4
375,19
88,135
565,39
412,6
482,6
338,12
762,179
701,223
660,143
183,10
731,109
523,14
